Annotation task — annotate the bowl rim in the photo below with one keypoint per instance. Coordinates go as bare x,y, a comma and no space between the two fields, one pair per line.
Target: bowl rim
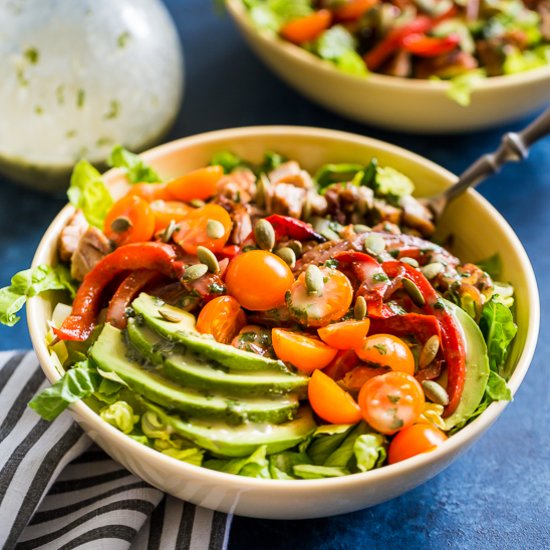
238,11
450,448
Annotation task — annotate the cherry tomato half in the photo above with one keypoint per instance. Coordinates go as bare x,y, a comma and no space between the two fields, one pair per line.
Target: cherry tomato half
166,211
353,9
387,350
307,28
317,310
258,279
391,401
414,440
198,184
222,317
330,401
346,334
130,220
305,352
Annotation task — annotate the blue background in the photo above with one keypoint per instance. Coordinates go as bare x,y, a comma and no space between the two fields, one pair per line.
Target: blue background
497,495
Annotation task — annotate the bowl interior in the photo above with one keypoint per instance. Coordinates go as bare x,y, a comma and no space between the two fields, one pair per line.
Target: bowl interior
478,229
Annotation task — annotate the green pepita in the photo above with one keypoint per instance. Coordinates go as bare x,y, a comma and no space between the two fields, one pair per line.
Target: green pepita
194,272
287,255
374,244
121,224
170,315
429,351
432,270
168,231
264,234
410,261
435,392
208,258
360,308
361,228
197,203
262,191
296,247
314,280
215,229
414,292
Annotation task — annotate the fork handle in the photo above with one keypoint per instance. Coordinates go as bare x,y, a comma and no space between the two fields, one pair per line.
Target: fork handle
513,147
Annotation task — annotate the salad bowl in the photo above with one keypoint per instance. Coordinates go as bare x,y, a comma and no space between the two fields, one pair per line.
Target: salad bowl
466,219
395,103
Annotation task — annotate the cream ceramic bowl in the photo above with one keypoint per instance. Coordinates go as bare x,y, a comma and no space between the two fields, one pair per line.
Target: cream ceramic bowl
468,218
419,106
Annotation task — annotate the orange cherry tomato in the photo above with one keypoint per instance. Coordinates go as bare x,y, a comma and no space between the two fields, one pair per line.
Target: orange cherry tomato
387,350
345,335
150,191
414,440
192,230
305,352
317,310
392,401
133,213
166,211
307,28
353,9
330,401
258,279
198,184
222,317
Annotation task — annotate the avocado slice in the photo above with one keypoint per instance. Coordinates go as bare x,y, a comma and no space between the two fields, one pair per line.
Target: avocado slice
192,371
243,440
147,307
110,353
477,367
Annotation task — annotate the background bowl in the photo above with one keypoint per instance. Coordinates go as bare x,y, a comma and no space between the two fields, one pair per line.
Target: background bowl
410,105
467,218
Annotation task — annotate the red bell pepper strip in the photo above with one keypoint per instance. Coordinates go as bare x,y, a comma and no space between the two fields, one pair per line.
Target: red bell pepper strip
430,46
87,303
130,287
285,226
452,341
394,40
343,362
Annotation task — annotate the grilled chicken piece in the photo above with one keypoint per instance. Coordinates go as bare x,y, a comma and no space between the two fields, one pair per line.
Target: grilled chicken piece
92,247
70,235
290,172
239,186
287,199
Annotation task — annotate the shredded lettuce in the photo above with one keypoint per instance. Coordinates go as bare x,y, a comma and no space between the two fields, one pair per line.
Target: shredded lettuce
88,192
137,170
461,86
271,15
77,383
32,282
517,61
499,329
120,415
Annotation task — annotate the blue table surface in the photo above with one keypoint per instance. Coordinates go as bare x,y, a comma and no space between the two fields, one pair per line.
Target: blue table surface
496,495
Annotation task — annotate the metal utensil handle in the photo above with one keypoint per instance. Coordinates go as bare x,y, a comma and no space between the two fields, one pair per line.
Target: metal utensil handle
513,147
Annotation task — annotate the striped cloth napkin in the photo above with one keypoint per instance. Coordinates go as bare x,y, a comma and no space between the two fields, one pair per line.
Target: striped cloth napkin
58,490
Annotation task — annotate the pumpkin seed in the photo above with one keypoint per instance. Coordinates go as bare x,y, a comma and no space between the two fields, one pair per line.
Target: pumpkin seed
360,308
314,280
215,229
168,231
287,255
435,392
208,258
170,314
429,351
262,190
374,244
432,270
264,234
414,292
307,208
194,272
121,224
361,228
197,203
410,261
296,247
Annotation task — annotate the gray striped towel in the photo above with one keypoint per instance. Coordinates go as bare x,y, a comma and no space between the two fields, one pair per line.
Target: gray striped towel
58,490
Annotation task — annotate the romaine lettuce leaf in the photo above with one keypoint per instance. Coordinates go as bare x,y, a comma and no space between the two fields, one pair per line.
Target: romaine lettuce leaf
496,389
311,471
491,265
326,440
270,15
32,282
137,170
461,86
255,465
88,192
192,455
370,451
120,415
77,383
281,465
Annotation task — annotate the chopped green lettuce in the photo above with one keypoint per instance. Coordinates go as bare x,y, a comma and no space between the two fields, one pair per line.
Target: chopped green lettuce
29,283
88,192
461,86
326,440
120,415
227,160
518,61
137,170
499,329
255,465
77,383
311,471
192,455
281,465
335,173
491,265
389,182
497,389
270,15
370,451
